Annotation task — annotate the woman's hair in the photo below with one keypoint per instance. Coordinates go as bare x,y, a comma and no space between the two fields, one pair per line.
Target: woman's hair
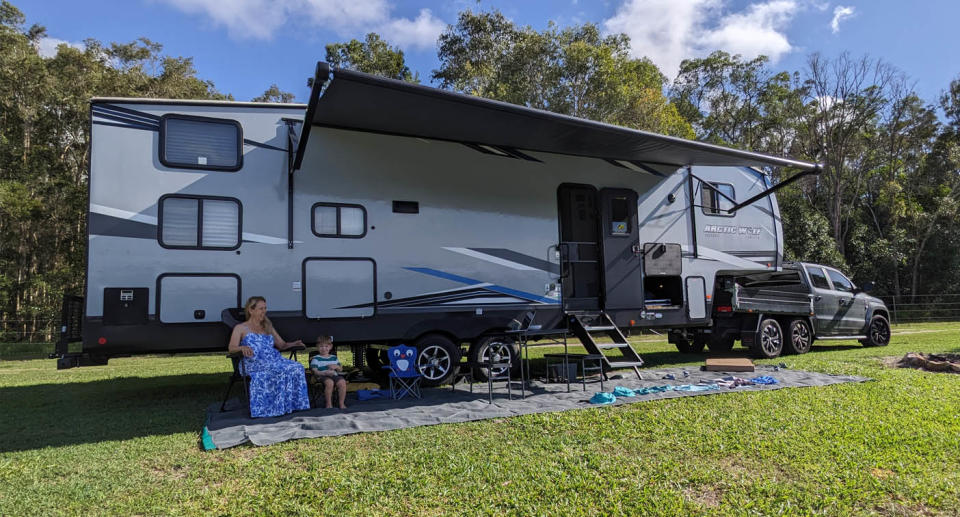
253,300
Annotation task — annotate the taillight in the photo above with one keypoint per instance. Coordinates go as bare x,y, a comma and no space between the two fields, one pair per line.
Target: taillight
724,308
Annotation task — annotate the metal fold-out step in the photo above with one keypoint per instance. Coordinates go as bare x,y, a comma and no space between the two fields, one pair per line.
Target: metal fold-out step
584,324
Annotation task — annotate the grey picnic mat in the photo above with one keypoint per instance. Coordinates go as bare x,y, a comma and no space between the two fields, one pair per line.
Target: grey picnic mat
444,406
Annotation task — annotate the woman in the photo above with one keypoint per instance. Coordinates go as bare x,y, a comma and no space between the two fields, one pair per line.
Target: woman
277,385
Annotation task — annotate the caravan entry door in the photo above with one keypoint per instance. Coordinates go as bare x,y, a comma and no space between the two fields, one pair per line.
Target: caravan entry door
623,283
579,247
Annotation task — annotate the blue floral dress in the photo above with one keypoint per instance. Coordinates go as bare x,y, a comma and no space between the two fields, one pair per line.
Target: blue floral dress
277,386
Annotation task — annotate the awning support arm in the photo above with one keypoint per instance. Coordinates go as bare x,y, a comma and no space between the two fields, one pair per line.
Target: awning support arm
816,170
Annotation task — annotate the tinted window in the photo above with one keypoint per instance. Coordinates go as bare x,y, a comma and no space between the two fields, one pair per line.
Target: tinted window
620,216
200,143
716,198
817,278
337,220
197,222
840,282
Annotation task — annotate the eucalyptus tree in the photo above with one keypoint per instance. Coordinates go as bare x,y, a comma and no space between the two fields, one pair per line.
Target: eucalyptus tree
574,71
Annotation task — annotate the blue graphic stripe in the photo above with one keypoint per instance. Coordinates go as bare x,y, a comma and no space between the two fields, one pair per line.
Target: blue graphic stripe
496,288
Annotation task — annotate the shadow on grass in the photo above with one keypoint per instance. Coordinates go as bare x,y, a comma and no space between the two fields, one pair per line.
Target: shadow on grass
54,415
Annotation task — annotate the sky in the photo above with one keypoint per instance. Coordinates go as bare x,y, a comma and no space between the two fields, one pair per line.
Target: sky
244,46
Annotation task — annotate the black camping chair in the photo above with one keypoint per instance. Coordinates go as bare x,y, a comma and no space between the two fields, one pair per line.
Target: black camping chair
231,318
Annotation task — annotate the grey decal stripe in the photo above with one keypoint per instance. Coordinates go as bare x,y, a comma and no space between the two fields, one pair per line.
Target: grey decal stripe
117,227
520,258
128,126
122,117
136,113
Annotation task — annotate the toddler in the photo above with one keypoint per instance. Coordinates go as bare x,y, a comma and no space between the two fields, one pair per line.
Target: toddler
326,367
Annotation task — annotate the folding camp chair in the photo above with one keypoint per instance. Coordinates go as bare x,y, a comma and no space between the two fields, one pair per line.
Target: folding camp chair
404,376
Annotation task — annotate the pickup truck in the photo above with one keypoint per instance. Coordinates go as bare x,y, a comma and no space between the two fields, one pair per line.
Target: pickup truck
785,311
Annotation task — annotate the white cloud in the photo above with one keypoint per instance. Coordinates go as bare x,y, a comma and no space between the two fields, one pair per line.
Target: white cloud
668,31
260,19
419,33
840,13
756,31
47,47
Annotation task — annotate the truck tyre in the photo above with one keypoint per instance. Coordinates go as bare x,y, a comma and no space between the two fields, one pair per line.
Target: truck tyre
800,338
437,359
769,340
878,332
481,350
721,344
686,346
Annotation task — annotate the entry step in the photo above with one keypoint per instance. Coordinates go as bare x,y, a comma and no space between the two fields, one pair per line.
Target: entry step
626,364
600,329
607,346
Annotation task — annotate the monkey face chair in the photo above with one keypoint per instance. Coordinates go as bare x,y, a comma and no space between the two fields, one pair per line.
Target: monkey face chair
404,376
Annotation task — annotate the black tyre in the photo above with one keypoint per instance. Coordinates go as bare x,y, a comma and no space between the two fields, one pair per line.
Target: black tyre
497,345
686,346
376,360
800,337
878,332
437,359
721,344
768,342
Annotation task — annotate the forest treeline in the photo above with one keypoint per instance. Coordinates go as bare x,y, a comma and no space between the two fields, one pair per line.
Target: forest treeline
885,208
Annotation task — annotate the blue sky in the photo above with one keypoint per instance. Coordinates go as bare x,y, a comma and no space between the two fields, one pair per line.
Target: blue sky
243,46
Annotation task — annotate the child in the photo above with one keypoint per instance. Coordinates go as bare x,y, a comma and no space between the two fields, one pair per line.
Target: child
326,367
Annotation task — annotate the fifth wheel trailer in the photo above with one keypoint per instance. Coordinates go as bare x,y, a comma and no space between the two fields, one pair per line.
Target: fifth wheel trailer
384,212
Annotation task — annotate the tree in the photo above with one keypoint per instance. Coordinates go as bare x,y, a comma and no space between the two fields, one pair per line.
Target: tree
573,71
371,56
274,94
44,155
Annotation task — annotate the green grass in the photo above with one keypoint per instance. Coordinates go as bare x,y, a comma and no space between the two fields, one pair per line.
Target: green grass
123,439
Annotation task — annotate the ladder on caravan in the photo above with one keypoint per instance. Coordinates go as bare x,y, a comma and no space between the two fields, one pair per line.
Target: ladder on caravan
588,325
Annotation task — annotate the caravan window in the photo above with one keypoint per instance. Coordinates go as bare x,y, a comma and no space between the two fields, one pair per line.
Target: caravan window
188,142
339,220
199,222
713,201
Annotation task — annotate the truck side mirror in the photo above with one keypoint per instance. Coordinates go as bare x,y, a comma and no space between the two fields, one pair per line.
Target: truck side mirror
867,287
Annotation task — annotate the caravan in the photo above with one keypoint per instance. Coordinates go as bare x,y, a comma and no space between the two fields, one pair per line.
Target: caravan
385,212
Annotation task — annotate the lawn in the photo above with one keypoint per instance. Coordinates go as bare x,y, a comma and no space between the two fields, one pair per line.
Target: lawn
123,439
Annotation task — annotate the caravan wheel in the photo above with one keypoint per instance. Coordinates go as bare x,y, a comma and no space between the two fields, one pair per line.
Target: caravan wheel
437,359
497,345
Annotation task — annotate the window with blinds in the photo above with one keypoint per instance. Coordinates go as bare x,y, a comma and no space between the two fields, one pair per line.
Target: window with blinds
339,220
199,222
188,142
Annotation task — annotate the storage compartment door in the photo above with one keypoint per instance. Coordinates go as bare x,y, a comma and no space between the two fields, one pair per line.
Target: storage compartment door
196,297
339,287
696,298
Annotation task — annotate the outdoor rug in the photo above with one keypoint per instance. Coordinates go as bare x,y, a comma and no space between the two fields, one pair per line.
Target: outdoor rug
445,406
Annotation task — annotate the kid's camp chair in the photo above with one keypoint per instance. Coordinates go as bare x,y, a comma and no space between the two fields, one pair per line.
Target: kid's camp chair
231,318
404,376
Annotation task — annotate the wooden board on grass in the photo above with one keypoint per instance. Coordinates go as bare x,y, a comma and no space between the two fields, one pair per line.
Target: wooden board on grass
729,364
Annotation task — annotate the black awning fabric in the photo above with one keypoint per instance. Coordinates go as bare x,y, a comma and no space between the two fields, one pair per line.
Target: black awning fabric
363,102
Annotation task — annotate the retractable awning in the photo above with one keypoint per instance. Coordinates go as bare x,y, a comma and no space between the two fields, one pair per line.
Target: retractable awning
362,102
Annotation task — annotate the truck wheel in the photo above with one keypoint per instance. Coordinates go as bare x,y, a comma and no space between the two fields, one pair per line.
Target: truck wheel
769,341
686,346
878,333
721,344
497,345
801,338
437,359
